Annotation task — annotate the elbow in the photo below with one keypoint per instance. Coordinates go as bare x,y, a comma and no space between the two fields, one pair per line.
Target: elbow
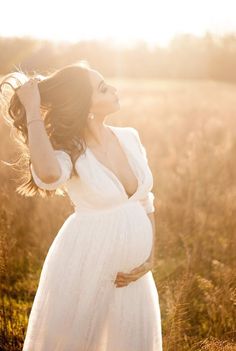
50,178
46,178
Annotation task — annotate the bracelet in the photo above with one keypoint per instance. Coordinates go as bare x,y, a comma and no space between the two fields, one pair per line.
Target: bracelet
34,120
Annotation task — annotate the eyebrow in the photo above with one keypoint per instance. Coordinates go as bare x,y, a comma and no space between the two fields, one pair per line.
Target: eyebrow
102,81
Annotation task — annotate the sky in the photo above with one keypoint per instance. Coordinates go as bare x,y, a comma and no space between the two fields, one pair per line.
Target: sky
123,21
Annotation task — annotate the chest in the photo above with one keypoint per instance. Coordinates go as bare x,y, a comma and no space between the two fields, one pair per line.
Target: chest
117,164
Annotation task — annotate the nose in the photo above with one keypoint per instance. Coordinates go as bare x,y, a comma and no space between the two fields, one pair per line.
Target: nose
114,89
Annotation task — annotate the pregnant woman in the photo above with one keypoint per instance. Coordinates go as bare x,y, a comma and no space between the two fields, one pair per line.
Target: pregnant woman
96,290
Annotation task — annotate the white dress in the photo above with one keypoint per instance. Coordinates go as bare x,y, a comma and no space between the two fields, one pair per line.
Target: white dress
77,306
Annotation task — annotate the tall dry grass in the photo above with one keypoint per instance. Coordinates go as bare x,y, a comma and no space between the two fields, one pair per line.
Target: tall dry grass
189,130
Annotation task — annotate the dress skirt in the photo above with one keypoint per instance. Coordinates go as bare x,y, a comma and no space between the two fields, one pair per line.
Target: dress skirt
77,306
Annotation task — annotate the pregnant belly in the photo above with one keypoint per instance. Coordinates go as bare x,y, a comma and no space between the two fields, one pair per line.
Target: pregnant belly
119,239
136,238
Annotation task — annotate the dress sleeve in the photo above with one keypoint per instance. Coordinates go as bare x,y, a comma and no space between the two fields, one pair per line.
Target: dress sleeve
148,201
66,168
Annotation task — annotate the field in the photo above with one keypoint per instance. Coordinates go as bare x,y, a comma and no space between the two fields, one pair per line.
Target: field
189,131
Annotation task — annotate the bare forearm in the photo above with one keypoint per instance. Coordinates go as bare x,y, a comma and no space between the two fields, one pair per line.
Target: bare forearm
41,151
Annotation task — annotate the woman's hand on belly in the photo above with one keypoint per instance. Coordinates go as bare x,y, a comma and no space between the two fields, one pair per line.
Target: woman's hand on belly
123,279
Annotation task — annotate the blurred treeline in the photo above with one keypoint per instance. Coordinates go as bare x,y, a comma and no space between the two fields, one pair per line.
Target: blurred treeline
186,57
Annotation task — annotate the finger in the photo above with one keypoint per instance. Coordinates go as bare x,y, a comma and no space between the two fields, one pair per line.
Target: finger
129,275
135,273
121,286
127,281
120,277
122,281
124,275
133,276
126,278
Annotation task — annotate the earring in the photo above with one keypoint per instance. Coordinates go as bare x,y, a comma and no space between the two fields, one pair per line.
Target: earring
91,116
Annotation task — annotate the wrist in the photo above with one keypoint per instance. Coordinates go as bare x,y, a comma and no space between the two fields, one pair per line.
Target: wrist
33,113
40,120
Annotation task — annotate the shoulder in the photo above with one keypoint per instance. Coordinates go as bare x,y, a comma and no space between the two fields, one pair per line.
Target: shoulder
130,136
132,139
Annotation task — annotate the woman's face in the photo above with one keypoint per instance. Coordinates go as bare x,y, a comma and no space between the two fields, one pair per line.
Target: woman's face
104,98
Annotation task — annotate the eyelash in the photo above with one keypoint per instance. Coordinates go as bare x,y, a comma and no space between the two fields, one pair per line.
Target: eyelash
104,89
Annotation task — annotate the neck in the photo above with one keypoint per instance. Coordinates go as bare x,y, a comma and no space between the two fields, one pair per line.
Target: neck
96,132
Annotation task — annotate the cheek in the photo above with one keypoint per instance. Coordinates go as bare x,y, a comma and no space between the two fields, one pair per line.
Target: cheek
101,102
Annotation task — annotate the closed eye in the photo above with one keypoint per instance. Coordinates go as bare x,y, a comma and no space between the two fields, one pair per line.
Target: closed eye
104,89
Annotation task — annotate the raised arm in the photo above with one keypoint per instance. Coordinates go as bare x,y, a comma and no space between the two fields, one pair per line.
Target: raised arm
49,167
42,154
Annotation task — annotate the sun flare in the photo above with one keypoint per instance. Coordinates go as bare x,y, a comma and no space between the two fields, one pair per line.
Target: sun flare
155,22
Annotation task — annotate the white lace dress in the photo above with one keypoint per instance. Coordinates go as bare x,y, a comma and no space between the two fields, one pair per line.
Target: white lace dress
77,306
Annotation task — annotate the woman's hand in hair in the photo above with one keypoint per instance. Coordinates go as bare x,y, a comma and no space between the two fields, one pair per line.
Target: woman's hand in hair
29,95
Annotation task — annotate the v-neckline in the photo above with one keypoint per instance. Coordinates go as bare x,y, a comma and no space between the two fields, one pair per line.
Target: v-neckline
123,148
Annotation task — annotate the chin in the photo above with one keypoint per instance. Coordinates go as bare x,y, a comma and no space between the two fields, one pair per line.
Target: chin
115,107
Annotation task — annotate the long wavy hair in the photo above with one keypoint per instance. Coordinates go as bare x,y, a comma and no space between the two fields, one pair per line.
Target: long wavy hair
65,103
